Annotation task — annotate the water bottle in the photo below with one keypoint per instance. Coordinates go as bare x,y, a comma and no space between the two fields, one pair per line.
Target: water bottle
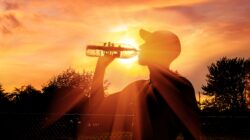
117,50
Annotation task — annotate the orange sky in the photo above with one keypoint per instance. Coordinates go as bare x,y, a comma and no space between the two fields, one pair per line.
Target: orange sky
39,39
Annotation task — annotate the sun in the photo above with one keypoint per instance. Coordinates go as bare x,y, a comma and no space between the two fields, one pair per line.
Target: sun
132,43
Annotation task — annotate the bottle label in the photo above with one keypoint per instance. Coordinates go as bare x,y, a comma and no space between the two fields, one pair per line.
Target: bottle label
111,49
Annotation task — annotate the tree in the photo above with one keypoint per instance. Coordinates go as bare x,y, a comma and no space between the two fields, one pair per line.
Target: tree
226,83
4,101
1,89
247,85
70,79
68,91
27,99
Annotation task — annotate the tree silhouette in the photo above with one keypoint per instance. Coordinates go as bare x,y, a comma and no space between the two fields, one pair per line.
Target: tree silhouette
69,89
67,93
27,109
4,101
70,79
62,88
226,83
247,85
27,99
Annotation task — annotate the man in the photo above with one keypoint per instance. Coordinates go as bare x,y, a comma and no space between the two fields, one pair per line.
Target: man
164,106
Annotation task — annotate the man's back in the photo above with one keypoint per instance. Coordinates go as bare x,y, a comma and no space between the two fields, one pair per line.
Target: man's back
153,116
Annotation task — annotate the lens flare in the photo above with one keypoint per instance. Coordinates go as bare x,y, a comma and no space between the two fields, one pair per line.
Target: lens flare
132,43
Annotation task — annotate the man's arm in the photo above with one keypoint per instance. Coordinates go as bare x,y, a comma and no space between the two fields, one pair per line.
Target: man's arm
97,89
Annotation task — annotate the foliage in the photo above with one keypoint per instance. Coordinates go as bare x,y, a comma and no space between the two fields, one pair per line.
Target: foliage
70,79
247,85
226,83
27,99
4,100
68,89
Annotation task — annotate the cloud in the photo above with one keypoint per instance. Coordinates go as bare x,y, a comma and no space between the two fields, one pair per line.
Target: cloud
10,6
220,17
223,9
185,10
8,23
140,3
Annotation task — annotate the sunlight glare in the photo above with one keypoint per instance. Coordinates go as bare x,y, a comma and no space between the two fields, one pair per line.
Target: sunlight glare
132,43
120,28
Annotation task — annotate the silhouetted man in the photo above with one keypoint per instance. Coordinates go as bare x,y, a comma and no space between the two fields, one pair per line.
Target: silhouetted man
164,106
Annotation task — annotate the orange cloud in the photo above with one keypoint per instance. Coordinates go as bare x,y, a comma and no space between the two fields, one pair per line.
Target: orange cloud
9,23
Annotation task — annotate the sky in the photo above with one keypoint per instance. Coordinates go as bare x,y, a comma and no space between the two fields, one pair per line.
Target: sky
40,39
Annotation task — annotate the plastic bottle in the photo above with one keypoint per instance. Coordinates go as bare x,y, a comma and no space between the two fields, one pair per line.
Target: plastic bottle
111,49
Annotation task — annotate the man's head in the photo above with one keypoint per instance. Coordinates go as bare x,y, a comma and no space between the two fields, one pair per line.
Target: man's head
160,47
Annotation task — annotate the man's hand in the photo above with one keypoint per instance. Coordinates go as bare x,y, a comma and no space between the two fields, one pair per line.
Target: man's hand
104,61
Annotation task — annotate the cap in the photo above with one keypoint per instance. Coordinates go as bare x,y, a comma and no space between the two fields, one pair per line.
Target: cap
162,38
145,34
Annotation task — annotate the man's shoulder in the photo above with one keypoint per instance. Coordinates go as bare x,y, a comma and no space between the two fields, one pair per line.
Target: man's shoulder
179,78
181,82
185,81
138,82
136,85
